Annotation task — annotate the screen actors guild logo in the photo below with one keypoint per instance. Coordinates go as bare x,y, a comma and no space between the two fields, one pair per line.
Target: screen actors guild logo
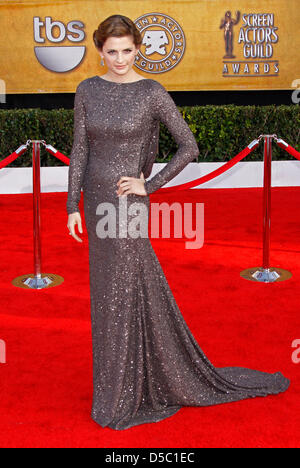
163,43
227,23
257,36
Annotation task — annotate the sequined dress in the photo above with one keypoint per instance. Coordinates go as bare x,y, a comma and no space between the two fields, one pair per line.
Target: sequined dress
146,362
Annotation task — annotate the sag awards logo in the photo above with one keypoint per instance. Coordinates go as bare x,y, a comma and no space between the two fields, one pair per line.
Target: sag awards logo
255,42
163,43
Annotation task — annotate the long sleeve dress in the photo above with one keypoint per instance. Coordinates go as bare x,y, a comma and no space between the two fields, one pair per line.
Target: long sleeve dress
146,362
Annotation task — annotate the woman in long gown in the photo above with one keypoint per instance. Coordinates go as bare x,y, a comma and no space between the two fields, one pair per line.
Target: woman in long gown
146,362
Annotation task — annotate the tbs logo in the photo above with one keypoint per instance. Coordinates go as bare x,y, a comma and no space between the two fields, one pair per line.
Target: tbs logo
58,58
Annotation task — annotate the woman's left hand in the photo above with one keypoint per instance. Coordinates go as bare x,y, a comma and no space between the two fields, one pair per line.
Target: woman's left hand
131,185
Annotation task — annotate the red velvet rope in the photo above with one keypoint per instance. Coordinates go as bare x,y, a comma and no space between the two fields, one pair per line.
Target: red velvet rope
288,148
185,186
214,173
5,162
57,154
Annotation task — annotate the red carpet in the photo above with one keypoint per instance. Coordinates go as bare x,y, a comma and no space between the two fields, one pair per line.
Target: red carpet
46,384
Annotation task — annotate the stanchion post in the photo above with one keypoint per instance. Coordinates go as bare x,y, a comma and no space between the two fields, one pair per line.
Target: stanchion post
37,280
267,201
265,274
36,184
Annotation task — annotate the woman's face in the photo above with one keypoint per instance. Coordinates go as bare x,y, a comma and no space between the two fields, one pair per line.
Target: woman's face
119,54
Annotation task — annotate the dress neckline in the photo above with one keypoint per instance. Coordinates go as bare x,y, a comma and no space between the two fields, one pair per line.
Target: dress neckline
129,82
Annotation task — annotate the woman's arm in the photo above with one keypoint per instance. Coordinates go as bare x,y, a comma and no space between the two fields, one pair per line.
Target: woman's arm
79,153
165,110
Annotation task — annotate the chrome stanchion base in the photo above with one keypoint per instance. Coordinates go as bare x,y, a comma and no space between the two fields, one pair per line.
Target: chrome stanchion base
266,275
43,281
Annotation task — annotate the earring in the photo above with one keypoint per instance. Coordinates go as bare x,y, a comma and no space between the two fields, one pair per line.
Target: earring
102,62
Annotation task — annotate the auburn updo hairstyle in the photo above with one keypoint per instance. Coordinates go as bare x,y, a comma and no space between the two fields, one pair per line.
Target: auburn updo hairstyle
117,26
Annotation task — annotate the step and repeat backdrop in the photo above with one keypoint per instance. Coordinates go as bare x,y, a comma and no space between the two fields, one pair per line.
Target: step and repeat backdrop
47,46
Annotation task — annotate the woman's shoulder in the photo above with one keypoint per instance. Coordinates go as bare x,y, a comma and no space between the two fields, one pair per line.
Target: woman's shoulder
156,84
83,85
156,87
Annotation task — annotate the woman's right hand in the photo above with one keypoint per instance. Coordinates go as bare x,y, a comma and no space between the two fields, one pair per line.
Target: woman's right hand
73,219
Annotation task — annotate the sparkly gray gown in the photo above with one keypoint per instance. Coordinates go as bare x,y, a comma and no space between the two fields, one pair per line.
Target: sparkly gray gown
146,363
